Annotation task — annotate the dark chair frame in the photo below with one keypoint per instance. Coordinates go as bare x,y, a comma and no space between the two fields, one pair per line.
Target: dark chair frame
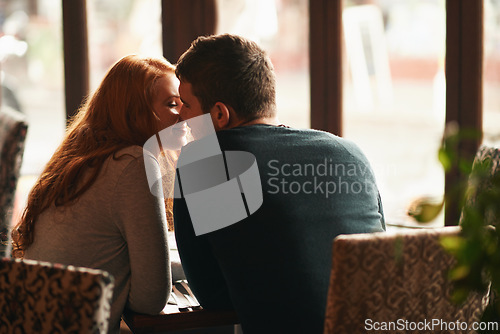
13,129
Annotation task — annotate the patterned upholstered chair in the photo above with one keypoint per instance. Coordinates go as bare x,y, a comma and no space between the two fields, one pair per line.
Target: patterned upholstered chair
38,297
381,278
487,180
12,136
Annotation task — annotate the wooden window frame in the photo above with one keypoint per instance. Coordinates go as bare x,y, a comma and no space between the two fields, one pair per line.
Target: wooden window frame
464,91
76,58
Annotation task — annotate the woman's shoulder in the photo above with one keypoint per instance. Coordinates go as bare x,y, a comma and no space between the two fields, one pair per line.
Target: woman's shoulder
133,152
124,159
134,157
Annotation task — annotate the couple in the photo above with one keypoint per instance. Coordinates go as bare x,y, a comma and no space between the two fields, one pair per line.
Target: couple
92,206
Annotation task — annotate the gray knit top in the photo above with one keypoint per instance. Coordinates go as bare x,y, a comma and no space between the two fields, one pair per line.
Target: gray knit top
118,226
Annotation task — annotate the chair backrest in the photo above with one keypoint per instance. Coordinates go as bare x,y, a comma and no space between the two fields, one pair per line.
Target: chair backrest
38,297
396,279
12,136
488,180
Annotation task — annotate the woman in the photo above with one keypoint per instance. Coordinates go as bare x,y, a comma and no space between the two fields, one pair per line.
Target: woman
92,206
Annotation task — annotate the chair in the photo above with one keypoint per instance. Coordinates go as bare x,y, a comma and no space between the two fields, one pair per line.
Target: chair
12,136
395,279
484,181
488,179
38,297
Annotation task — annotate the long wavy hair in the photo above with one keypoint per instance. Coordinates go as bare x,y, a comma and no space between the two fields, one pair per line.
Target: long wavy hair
119,114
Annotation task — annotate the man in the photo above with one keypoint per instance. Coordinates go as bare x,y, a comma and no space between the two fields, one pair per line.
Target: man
273,267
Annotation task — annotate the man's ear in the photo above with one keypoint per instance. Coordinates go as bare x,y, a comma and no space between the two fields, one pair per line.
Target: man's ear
221,116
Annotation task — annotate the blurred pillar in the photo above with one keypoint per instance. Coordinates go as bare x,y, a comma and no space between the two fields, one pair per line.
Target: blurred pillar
325,57
183,21
76,60
32,7
464,70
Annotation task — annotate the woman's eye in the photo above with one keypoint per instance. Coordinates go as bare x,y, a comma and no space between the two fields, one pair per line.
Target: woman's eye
172,105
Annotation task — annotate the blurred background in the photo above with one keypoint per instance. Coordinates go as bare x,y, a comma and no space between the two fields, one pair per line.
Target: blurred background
393,75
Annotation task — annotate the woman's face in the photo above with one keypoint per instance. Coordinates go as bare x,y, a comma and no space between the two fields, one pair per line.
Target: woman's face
167,104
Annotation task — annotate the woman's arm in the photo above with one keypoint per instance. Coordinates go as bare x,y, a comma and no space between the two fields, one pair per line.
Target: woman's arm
144,226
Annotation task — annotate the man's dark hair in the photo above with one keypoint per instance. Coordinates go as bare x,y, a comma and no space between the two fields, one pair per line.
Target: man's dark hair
232,70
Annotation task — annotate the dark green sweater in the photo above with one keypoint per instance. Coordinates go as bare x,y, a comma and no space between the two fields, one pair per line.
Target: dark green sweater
274,266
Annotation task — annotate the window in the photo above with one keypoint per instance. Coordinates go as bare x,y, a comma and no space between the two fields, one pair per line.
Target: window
33,81
491,73
117,28
281,28
394,95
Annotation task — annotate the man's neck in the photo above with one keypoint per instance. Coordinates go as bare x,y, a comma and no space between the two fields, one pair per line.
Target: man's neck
262,120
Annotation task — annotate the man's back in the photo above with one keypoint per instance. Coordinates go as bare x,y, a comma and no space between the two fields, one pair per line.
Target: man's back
274,266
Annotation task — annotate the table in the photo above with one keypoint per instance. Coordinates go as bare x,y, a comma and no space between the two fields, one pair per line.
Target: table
171,319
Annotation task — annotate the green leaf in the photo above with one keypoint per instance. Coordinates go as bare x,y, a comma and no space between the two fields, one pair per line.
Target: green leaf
453,243
459,272
444,158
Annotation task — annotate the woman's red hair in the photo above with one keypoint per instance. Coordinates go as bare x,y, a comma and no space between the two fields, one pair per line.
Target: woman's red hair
119,114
